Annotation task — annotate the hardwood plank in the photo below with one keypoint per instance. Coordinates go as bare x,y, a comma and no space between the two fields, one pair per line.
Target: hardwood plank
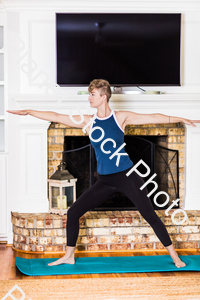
13,269
142,275
96,275
4,270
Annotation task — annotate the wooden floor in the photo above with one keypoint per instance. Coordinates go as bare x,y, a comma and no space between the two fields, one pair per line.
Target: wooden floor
9,271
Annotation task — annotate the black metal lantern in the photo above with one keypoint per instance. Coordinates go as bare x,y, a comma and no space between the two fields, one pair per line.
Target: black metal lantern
62,190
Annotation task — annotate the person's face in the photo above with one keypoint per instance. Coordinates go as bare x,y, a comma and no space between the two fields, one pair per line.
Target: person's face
96,99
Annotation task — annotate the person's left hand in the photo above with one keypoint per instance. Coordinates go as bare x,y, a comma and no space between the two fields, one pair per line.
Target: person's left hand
190,122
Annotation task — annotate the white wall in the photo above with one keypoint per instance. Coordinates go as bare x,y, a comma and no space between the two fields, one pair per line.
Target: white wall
31,53
36,30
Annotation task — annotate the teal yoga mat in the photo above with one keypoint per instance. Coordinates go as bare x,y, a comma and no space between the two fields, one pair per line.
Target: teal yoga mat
115,264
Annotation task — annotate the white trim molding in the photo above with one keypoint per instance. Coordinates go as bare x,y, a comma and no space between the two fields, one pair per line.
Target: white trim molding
33,166
110,5
192,168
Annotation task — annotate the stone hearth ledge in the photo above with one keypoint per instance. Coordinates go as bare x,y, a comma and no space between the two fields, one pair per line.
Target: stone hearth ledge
102,231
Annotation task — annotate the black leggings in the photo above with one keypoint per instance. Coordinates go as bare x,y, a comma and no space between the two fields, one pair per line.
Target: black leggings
103,188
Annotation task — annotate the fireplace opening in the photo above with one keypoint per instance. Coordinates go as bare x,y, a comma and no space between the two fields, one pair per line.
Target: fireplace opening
81,162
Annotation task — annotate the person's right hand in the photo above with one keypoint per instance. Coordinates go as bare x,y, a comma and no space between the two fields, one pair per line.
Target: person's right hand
18,112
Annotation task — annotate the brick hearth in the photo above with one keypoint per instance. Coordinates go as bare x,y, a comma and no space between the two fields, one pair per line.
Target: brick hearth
118,230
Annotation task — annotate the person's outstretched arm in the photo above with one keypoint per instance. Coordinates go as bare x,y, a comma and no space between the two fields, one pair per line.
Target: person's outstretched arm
54,117
131,118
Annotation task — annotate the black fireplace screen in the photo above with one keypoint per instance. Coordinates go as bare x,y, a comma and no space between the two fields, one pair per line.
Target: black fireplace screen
81,162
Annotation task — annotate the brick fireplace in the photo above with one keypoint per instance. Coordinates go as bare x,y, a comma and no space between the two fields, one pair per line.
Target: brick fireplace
108,230
42,143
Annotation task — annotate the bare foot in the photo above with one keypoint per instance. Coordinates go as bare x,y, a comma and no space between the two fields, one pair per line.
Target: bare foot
178,262
63,260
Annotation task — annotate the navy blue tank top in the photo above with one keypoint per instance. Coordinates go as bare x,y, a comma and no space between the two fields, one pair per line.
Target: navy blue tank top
107,139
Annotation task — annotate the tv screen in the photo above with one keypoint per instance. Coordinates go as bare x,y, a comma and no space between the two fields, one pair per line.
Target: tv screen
125,49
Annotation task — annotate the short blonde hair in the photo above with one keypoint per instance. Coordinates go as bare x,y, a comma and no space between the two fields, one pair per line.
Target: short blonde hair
103,86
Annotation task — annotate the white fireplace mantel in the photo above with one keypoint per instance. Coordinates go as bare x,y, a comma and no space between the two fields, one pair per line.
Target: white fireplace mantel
185,105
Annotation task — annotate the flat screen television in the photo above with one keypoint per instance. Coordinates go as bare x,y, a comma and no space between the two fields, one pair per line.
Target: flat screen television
127,49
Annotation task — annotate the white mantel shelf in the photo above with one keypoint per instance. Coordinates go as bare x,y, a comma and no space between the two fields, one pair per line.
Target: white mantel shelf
183,105
188,100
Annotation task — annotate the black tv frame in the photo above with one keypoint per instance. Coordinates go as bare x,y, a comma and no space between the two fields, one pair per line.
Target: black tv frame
123,84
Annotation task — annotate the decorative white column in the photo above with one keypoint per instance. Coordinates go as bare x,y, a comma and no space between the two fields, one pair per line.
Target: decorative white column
33,165
192,168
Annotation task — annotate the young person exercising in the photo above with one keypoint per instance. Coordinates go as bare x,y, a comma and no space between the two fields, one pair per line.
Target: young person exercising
106,132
